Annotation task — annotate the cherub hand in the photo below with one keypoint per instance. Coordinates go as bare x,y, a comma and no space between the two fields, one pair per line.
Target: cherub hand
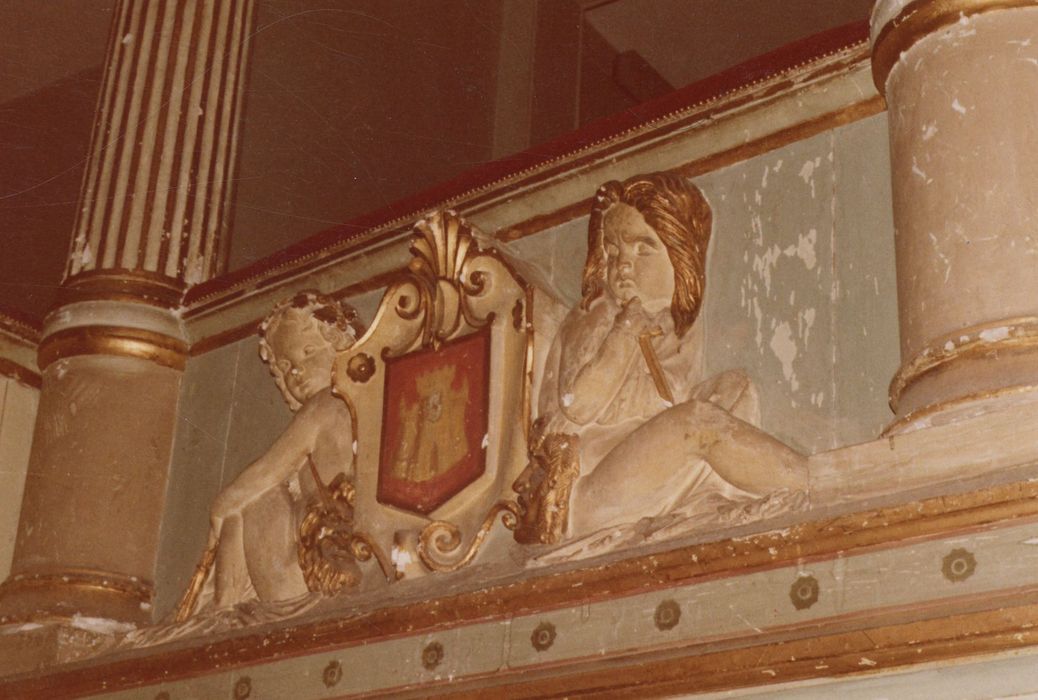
224,506
632,318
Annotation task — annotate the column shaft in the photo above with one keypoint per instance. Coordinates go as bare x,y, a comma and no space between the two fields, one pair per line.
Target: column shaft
151,223
957,76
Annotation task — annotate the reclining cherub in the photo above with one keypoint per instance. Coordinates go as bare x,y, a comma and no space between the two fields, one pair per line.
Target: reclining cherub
628,429
253,551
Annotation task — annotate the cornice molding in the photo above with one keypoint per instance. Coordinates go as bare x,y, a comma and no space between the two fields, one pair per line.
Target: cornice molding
942,631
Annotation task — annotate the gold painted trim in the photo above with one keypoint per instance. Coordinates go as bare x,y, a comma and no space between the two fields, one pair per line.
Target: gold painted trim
835,651
897,426
135,286
1021,335
919,19
20,326
842,535
159,348
15,371
106,582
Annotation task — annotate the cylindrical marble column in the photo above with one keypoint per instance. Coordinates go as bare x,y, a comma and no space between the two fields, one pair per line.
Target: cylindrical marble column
959,77
151,223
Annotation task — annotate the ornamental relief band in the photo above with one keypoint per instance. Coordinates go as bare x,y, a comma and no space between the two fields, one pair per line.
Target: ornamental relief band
479,422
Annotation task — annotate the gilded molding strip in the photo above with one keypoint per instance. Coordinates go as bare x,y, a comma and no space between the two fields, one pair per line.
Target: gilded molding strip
770,661
161,349
1012,335
22,328
107,582
843,535
919,19
136,286
898,425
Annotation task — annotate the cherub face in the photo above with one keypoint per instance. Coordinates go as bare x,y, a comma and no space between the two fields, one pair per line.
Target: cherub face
637,263
303,356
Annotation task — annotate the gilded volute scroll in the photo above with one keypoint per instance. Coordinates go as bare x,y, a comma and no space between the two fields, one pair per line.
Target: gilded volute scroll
632,441
441,386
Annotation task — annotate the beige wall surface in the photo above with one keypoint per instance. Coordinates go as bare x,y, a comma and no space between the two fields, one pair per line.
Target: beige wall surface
17,417
800,288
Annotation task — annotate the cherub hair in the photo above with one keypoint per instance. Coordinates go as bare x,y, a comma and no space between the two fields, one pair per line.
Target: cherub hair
679,214
337,322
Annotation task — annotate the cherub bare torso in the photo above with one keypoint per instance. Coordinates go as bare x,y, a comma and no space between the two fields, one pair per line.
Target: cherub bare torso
255,519
264,530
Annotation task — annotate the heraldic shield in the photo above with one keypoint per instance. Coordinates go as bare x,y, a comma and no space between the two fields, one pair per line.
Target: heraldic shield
439,389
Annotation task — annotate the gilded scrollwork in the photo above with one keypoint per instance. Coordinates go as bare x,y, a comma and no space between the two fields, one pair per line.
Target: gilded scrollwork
445,399
440,540
330,546
544,487
442,246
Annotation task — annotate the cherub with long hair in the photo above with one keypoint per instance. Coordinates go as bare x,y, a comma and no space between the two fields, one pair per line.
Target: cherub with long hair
253,541
624,396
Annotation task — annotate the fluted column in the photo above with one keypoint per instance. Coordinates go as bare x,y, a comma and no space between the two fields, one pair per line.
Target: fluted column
959,78
151,223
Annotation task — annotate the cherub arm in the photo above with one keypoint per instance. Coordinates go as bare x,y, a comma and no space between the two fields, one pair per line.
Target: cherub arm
284,458
588,384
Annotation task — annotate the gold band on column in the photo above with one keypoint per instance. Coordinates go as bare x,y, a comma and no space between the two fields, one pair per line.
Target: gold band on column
1006,336
56,596
113,340
919,19
104,581
134,286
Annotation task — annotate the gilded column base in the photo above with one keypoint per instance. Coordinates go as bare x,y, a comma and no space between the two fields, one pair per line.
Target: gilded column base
897,25
982,365
75,594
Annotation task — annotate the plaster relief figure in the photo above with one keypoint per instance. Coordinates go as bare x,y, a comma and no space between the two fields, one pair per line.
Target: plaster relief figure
266,526
629,428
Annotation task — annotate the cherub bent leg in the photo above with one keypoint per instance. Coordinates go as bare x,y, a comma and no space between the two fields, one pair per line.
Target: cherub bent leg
231,583
668,458
270,544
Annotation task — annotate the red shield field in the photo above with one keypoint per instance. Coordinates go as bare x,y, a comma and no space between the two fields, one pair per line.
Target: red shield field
434,423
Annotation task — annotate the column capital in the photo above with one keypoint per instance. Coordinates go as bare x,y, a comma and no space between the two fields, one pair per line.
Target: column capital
896,25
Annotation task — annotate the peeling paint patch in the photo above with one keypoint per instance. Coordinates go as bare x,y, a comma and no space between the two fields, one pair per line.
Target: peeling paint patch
993,335
785,349
957,106
807,173
764,264
100,625
918,172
